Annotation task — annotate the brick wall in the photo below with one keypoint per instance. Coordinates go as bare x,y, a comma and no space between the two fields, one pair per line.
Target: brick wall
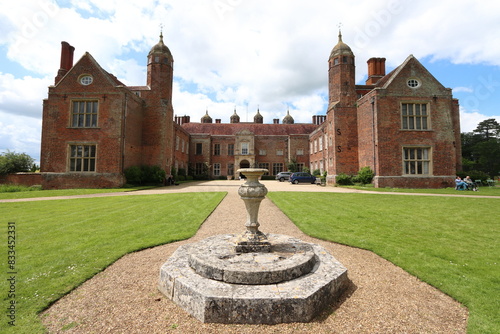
318,156
344,133
132,144
181,148
222,158
296,143
24,179
82,180
414,182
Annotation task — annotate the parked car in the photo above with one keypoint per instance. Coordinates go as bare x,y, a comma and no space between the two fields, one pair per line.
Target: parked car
302,177
283,176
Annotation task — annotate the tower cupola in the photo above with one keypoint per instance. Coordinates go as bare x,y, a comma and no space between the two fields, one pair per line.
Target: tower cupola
160,70
234,117
160,53
288,119
206,118
258,118
341,49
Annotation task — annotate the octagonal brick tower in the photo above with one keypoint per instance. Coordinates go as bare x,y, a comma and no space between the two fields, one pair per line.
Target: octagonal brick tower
157,135
342,133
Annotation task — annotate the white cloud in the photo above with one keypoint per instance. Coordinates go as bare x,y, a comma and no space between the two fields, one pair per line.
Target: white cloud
20,134
463,90
23,96
128,71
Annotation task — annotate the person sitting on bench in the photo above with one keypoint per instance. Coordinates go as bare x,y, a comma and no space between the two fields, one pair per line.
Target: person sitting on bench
459,184
470,184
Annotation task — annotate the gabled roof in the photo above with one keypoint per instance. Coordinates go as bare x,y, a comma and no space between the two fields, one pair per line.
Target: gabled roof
390,77
231,129
113,80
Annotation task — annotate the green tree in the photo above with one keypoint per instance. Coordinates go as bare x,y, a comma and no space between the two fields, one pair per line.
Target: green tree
481,148
489,156
141,175
365,175
488,129
12,162
293,166
469,141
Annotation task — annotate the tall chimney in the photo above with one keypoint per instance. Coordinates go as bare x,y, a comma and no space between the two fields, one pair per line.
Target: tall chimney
67,52
376,70
318,119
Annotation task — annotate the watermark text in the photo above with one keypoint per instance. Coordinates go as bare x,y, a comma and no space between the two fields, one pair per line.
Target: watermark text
11,273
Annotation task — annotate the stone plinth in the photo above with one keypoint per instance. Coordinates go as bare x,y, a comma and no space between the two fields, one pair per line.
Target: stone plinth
214,300
216,258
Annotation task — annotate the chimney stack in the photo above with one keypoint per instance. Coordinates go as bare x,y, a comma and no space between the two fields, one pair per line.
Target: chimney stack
67,52
376,70
217,121
182,119
276,121
318,119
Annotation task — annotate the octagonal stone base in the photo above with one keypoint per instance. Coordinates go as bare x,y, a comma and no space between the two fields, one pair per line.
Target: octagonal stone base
216,301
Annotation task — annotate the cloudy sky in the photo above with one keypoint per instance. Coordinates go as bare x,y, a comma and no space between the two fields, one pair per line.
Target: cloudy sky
229,54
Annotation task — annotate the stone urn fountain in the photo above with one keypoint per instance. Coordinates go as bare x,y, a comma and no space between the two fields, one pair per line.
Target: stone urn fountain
253,277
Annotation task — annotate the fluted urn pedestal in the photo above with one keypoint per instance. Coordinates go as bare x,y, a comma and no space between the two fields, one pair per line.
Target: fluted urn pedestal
252,192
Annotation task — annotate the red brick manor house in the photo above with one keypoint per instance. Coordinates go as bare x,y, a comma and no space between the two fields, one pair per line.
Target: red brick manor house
404,125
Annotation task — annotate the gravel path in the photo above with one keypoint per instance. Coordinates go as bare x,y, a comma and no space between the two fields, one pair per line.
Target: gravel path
382,299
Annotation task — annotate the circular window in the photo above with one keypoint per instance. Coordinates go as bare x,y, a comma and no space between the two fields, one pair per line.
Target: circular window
86,80
413,83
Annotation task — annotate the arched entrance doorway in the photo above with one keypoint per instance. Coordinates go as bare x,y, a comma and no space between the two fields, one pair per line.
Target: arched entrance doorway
244,164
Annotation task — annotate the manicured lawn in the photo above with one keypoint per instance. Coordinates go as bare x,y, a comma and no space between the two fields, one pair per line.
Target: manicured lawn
483,191
63,192
62,243
451,243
